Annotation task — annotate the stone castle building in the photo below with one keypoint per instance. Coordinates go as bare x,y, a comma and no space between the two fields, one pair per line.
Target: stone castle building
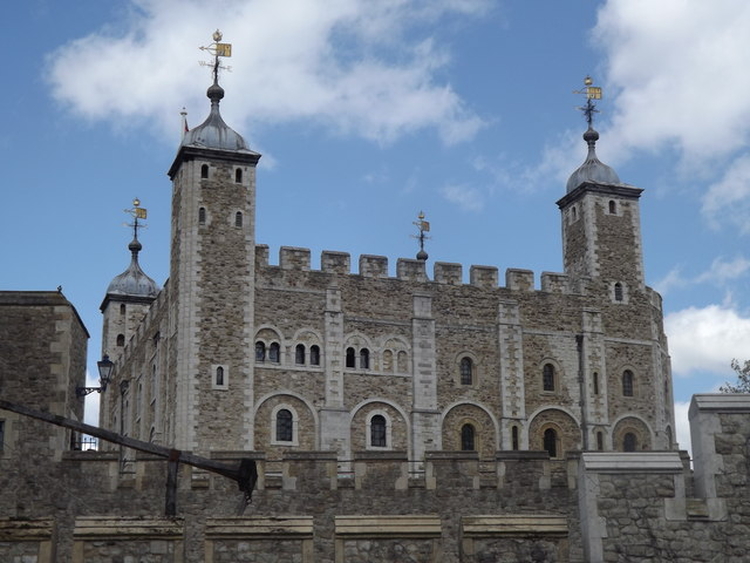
235,353
414,418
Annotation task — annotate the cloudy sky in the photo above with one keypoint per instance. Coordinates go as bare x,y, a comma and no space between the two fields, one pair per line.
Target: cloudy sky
368,112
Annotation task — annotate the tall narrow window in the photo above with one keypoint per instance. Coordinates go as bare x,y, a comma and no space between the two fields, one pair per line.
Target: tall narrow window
548,377
350,357
204,171
121,340
238,175
122,308
467,438
612,206
260,351
550,442
315,355
514,437
467,371
629,442
274,352
377,431
238,219
627,383
284,426
599,441
299,354
596,383
618,291
219,375
202,216
364,358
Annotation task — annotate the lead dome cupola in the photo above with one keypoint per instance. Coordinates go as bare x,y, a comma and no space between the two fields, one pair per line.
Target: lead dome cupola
214,133
593,170
133,282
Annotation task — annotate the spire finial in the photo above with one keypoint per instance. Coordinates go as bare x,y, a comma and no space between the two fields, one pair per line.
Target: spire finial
217,49
592,93
424,227
137,212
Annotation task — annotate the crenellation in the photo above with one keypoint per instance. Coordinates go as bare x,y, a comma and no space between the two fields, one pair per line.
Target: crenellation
485,277
261,256
553,282
519,280
448,273
373,266
335,262
408,269
293,258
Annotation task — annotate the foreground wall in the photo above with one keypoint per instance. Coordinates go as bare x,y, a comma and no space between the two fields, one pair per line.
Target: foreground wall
521,507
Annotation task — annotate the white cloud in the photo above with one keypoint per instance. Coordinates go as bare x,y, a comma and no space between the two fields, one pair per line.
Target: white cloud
348,65
465,197
728,200
676,68
706,339
682,425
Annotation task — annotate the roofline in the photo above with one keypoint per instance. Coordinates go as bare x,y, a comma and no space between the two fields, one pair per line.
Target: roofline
187,152
43,297
619,190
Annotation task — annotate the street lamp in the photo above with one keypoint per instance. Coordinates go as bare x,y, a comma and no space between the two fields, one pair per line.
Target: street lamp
105,367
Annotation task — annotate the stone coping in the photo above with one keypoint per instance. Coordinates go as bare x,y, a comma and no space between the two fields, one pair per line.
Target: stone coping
514,524
632,462
720,402
397,526
114,527
20,529
243,527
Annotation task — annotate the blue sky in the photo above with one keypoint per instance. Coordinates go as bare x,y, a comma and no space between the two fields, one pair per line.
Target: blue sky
368,112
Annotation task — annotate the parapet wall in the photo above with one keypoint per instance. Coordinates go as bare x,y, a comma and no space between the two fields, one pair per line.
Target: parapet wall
408,269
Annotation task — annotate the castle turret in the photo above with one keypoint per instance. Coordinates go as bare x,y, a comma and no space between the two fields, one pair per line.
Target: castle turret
211,285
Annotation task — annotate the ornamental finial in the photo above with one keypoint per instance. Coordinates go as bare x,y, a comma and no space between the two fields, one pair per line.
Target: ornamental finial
592,93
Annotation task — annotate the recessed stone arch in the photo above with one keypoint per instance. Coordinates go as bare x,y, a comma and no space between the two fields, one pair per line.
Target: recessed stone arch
637,429
566,427
485,428
305,419
396,419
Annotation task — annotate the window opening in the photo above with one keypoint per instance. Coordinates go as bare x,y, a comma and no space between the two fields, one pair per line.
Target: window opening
284,428
514,437
121,340
364,358
548,377
618,291
467,438
122,308
274,352
612,206
627,383
204,171
377,431
599,441
629,442
260,351
467,375
350,357
238,176
596,383
315,355
238,219
219,375
550,442
202,216
299,354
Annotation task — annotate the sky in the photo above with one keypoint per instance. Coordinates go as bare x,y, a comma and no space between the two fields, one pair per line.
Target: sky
367,113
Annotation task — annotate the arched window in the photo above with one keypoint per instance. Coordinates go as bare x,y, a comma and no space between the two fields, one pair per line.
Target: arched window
612,206
122,308
387,365
219,375
299,354
274,352
629,442
121,340
627,383
350,357
514,437
260,351
315,355
238,175
202,216
238,219
204,171
284,427
467,371
550,442
618,291
575,214
377,431
596,383
599,441
467,438
364,358
548,377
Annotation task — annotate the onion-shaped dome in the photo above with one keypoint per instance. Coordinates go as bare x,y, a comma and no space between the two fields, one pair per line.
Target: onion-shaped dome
592,170
133,282
213,133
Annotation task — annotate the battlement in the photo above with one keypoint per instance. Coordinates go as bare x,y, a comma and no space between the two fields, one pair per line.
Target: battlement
409,269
